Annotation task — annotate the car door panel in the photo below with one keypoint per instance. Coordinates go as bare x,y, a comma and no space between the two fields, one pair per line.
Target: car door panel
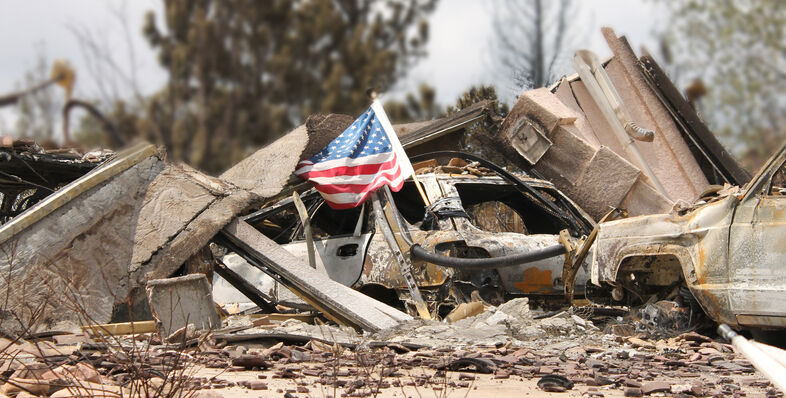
757,253
340,257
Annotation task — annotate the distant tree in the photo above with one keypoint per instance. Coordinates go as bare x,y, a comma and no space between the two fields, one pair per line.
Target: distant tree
531,40
476,94
422,106
241,72
38,110
737,49
124,119
474,139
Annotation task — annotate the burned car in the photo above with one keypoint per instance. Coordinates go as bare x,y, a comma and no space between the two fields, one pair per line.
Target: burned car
729,250
478,211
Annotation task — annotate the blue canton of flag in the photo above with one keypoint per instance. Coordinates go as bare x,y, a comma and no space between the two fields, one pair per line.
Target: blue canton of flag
364,137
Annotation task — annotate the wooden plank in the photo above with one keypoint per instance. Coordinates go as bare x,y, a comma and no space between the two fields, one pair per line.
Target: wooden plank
268,319
117,329
332,298
266,171
447,125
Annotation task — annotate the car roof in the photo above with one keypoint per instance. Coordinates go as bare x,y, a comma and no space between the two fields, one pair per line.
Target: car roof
492,179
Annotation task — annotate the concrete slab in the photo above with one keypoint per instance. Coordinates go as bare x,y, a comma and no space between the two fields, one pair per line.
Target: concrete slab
543,106
178,302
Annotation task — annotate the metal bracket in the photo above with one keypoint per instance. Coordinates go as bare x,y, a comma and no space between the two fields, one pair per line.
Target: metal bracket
576,254
404,266
304,218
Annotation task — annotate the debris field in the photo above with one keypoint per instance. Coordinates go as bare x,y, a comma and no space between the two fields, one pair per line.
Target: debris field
589,248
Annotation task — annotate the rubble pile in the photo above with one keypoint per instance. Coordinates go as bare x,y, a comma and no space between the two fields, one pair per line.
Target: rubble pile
124,274
511,322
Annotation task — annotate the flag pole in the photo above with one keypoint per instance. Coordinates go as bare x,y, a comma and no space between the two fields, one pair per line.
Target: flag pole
372,95
420,189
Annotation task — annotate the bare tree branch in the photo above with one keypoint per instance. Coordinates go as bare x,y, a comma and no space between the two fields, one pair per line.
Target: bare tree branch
530,38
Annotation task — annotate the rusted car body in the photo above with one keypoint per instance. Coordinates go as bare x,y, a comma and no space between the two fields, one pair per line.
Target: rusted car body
484,215
730,251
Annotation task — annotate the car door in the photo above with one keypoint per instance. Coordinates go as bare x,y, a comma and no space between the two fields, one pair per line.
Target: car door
341,237
757,250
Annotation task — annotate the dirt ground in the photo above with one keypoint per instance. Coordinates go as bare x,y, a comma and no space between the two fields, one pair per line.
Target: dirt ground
503,352
484,386
686,365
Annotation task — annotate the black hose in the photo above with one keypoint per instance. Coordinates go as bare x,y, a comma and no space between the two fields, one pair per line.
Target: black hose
486,263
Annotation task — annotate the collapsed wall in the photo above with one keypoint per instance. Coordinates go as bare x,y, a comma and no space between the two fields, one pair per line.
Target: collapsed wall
564,133
85,253
81,253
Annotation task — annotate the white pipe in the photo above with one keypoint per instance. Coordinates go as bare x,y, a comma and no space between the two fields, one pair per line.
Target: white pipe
771,369
615,101
582,61
773,352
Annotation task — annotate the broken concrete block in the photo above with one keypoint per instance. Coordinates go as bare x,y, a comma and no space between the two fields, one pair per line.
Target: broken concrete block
178,302
581,126
567,158
529,125
644,199
606,180
542,106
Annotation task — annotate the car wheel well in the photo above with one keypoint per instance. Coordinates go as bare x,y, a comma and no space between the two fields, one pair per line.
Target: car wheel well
639,277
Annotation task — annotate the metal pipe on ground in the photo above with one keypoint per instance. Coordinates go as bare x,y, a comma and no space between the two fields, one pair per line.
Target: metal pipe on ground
765,364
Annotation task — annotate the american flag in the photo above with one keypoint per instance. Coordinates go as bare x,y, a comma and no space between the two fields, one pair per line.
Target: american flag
366,156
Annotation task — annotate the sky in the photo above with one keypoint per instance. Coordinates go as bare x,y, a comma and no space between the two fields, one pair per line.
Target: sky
459,54
461,31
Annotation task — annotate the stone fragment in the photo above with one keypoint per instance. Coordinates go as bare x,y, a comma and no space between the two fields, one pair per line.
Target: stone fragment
15,386
633,392
655,386
681,388
251,361
708,351
257,385
693,336
545,108
639,343
632,383
207,394
602,380
178,302
87,389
